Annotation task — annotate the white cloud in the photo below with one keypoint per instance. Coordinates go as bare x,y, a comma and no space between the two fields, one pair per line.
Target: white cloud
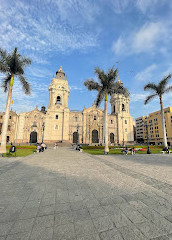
76,10
38,29
119,6
147,37
147,74
138,97
75,88
145,5
151,37
119,46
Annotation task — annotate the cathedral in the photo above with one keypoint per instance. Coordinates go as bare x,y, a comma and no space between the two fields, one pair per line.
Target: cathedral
60,124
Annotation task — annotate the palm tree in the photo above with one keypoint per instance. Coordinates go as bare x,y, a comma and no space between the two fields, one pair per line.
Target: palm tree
159,90
106,86
11,64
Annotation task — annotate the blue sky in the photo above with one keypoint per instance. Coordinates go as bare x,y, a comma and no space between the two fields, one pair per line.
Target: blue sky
135,35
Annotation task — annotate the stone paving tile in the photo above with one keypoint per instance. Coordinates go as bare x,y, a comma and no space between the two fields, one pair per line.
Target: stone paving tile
64,232
91,203
46,210
132,233
64,218
23,225
150,230
111,209
169,218
42,234
85,227
8,216
103,223
30,212
62,207
134,215
89,237
5,228
19,236
120,220
81,215
105,201
118,199
77,205
112,234
161,238
44,221
163,224
2,207
149,214
97,212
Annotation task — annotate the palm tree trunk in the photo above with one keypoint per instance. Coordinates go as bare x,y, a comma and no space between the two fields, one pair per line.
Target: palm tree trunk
163,124
106,150
5,122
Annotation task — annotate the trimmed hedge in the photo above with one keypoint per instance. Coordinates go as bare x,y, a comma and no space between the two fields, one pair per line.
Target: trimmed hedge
114,147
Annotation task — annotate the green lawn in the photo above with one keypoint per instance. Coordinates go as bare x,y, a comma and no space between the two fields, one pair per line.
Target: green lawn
21,151
118,151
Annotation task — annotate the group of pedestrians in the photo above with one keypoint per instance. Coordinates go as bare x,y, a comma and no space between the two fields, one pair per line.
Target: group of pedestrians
41,147
132,150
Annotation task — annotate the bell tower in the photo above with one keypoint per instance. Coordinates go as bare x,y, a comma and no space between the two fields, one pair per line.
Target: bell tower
58,91
120,108
119,103
57,116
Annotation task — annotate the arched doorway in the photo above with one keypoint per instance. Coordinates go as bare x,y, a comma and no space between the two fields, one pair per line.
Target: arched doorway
95,138
75,137
33,137
111,137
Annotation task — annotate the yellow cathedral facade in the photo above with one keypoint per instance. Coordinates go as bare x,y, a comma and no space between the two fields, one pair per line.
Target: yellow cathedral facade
60,124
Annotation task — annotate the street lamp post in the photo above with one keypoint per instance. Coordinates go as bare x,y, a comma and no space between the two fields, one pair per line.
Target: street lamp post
77,134
123,110
147,125
43,127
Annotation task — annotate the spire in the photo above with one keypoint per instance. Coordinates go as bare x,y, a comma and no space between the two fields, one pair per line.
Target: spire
119,81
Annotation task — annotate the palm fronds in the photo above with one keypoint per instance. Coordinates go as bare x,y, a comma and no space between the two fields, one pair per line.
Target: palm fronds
150,86
149,98
92,85
158,89
25,85
6,82
106,84
14,64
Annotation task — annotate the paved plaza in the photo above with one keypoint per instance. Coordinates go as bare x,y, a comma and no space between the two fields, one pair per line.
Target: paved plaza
65,194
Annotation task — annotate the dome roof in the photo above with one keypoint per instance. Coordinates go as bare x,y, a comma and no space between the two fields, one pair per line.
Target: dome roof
60,71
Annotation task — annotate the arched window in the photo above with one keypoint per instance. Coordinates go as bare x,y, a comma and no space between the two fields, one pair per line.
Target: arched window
58,99
114,109
123,107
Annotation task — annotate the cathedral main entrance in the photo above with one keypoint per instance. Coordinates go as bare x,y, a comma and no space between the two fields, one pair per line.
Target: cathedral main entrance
95,138
33,137
76,137
111,137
